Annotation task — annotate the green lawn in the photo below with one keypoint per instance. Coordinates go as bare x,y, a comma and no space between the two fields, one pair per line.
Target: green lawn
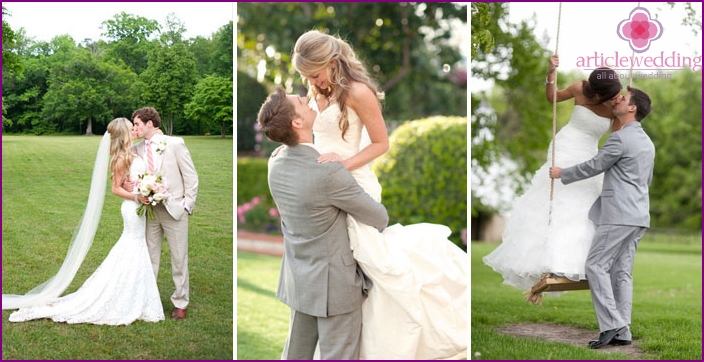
262,320
44,189
667,307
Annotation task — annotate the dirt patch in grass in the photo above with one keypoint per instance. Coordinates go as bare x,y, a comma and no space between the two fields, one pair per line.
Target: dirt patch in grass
567,334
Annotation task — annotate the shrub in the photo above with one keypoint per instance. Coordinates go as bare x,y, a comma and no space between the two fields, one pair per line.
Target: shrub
251,179
259,215
256,211
424,174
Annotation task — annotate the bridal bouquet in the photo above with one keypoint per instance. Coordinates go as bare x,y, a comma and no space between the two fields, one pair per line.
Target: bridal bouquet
154,188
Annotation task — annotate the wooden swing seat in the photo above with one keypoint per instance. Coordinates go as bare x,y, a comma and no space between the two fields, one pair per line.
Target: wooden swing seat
553,283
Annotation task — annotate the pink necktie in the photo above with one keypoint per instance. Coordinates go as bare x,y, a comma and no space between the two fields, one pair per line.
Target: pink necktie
150,157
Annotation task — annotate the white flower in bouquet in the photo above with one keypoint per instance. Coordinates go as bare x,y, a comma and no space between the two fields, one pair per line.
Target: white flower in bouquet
153,187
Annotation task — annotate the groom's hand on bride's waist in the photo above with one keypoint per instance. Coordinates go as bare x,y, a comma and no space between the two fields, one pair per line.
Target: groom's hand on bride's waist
128,185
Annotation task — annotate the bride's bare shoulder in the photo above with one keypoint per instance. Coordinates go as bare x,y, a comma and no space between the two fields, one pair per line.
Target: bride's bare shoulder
359,94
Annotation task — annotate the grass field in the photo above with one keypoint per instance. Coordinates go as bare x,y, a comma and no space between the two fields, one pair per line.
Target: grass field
262,320
44,189
667,307
666,318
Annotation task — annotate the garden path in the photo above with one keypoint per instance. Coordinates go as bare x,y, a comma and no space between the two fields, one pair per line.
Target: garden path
260,243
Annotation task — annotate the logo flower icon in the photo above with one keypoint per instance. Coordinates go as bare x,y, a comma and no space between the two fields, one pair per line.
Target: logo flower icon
639,29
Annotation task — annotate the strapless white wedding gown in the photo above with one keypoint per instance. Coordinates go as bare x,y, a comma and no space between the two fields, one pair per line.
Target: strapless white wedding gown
417,306
529,247
121,290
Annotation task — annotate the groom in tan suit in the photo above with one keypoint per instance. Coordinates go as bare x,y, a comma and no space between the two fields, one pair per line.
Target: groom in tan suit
320,280
169,157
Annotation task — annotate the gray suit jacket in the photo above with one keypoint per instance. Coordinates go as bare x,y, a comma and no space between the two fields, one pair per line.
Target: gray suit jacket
627,160
319,275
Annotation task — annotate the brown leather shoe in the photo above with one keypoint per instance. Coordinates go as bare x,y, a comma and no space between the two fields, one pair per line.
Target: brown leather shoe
178,313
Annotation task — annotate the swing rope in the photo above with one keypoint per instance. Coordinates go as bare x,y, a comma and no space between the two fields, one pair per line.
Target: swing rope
535,295
554,116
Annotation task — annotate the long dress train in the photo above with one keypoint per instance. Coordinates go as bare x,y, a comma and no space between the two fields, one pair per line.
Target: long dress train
121,290
417,306
531,248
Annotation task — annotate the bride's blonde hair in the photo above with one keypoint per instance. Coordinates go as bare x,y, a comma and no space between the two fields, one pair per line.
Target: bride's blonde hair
314,51
120,145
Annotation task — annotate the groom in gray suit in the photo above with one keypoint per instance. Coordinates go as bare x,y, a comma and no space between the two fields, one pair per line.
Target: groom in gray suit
621,213
320,280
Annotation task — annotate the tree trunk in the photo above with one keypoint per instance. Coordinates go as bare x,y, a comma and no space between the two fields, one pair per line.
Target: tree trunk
89,126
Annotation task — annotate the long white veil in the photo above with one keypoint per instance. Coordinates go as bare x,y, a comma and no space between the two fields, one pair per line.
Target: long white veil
80,244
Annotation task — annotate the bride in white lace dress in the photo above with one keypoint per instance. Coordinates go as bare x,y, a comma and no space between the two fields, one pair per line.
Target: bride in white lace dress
531,248
417,307
123,288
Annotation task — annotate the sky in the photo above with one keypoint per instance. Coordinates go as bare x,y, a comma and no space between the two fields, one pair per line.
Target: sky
589,28
43,21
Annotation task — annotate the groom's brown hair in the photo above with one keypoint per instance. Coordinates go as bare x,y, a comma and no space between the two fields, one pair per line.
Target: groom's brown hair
275,117
147,114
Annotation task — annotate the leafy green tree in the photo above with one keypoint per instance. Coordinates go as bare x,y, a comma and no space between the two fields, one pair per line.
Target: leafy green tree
10,60
214,56
482,38
202,49
519,124
675,127
222,55
23,91
168,82
131,37
87,90
173,32
211,105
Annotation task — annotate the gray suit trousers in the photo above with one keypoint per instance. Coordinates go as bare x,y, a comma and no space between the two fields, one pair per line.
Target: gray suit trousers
339,336
609,269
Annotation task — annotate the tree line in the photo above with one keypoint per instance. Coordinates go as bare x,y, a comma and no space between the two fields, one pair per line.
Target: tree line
77,87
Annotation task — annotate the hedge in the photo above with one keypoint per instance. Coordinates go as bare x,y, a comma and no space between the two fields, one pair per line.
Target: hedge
424,174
